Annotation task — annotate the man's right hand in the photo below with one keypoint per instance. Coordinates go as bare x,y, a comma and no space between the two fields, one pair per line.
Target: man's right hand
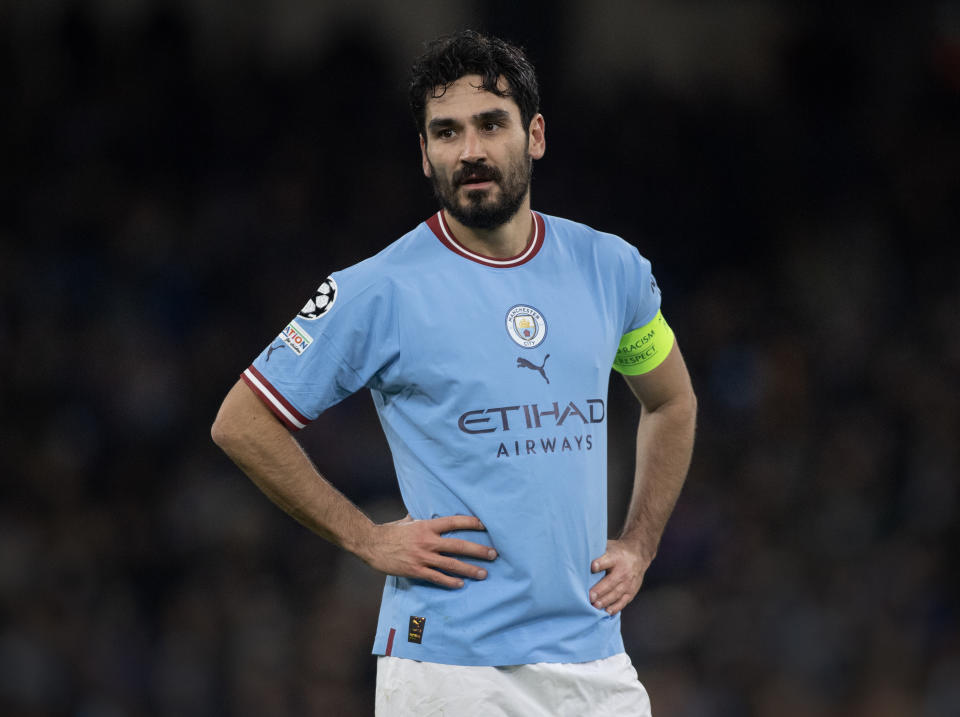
417,549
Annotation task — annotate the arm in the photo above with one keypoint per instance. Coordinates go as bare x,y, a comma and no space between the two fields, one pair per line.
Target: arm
263,449
664,447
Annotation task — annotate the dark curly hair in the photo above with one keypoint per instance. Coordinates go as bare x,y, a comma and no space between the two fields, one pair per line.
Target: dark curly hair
468,52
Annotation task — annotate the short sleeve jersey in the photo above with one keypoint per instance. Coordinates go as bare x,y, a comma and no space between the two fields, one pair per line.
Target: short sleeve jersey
490,380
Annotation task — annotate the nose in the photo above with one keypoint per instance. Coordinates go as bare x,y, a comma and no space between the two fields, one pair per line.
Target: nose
473,148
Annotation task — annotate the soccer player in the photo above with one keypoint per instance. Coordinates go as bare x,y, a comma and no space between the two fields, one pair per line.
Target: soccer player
486,336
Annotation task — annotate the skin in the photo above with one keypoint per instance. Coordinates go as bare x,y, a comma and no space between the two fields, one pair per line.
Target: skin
664,447
261,446
469,127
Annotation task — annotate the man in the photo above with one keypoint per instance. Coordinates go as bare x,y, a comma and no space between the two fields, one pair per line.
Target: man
486,337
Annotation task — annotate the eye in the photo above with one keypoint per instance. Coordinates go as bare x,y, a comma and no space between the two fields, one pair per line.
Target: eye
490,126
446,133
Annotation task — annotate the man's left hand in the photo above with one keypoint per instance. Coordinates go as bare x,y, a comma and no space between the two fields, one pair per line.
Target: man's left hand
625,570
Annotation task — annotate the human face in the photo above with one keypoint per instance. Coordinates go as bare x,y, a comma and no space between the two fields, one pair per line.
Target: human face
477,153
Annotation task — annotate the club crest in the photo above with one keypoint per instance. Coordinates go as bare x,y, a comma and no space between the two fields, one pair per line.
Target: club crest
526,326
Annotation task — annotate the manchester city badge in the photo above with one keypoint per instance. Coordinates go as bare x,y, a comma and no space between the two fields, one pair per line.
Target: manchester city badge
526,326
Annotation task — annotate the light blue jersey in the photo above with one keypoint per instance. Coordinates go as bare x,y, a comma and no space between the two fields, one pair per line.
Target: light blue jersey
490,379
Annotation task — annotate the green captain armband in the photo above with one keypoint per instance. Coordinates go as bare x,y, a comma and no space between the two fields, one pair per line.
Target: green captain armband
643,349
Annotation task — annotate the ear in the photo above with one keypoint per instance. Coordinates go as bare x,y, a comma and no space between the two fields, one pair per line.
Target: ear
423,157
537,137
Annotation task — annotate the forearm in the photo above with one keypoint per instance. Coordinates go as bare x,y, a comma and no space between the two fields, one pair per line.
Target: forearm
272,458
664,448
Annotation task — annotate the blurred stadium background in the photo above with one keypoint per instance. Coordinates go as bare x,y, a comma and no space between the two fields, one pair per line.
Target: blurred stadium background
177,177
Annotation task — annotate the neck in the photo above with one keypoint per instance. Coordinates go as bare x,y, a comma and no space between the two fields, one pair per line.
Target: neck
502,242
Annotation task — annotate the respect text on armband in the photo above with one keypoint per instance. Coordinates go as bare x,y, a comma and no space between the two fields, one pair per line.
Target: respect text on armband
643,349
634,357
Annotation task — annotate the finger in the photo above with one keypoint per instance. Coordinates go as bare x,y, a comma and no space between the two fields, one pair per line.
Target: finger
449,523
611,597
604,562
603,591
619,605
458,567
465,547
435,576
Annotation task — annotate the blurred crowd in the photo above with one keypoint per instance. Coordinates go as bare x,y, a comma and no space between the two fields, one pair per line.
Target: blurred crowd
167,208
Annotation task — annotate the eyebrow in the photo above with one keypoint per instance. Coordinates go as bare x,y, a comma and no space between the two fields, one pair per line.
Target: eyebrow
497,115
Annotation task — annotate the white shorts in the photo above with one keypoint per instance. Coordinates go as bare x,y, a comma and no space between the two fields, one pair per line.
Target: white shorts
602,688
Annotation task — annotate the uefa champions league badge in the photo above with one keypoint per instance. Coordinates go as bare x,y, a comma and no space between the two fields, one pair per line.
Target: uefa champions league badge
526,326
322,300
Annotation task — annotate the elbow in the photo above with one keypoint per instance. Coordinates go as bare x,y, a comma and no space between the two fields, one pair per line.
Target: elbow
219,433
683,407
223,431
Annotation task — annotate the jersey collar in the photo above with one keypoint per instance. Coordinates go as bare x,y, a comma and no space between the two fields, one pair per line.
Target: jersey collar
442,230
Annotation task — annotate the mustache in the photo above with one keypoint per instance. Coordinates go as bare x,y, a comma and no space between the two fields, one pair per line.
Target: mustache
476,173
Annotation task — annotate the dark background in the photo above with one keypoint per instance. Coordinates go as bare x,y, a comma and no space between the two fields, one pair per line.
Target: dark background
177,177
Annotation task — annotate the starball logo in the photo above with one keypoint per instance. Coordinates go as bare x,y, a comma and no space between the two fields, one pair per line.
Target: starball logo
575,417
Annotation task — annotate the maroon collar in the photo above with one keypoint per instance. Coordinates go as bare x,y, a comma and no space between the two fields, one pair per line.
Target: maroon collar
439,226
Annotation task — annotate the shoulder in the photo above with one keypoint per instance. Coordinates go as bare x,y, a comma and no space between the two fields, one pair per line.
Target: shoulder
381,272
371,284
584,238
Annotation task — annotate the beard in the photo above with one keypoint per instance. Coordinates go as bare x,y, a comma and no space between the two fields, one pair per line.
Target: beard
483,208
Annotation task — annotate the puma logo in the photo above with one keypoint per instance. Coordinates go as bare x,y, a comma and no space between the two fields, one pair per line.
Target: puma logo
523,363
271,350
